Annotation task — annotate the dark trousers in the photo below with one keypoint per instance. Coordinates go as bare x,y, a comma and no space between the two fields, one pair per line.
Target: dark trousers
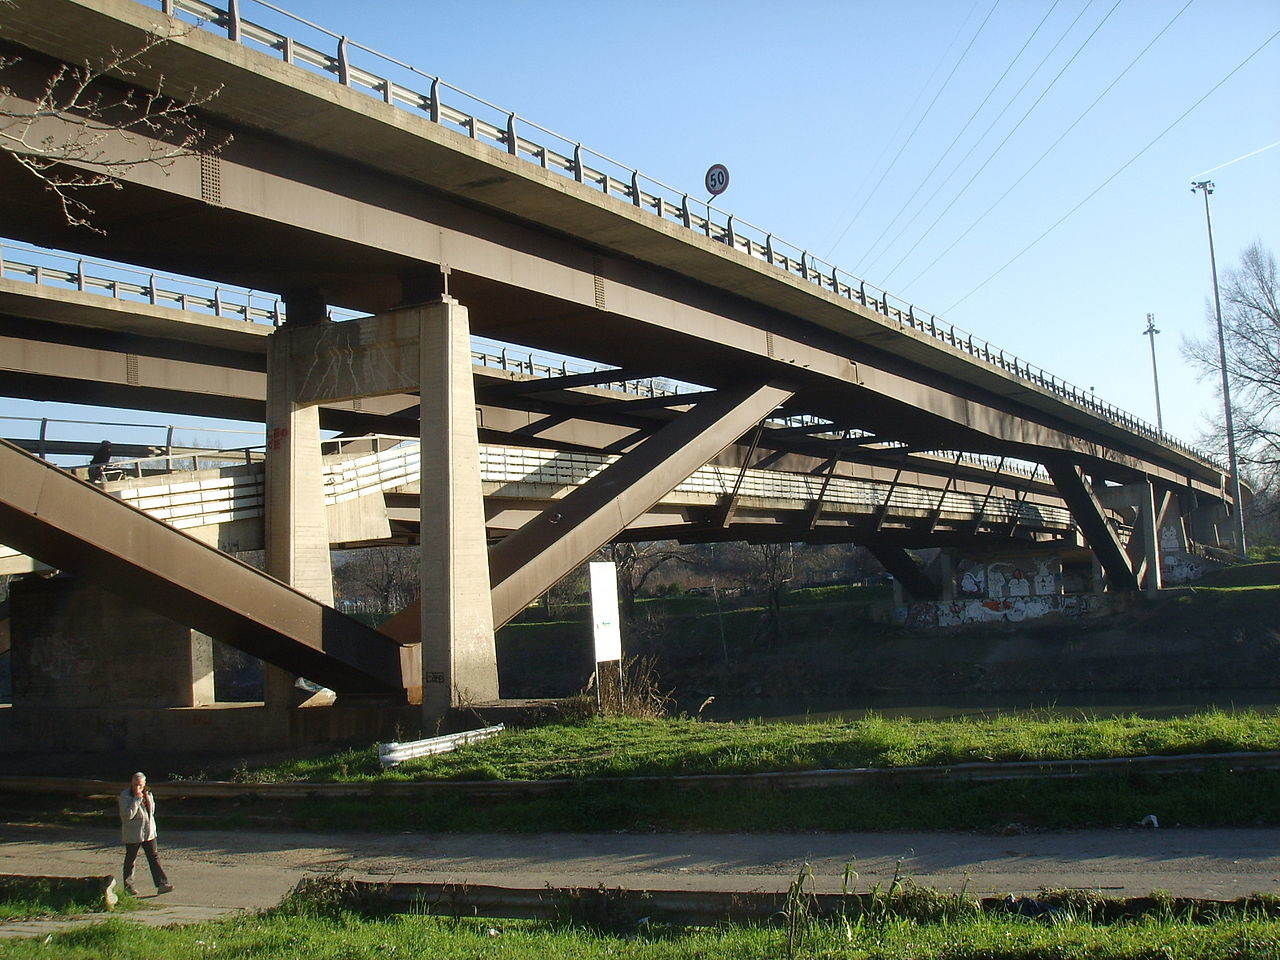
131,856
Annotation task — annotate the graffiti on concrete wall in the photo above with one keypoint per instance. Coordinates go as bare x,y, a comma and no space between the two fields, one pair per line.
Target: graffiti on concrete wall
1008,579
956,613
1181,567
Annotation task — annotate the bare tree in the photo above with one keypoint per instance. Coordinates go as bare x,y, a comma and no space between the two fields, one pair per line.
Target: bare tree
82,131
381,579
638,563
1251,334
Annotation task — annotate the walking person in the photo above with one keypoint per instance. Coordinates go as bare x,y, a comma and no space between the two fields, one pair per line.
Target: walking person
138,830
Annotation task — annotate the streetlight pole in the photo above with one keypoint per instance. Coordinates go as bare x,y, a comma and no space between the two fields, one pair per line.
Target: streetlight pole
1206,187
1150,333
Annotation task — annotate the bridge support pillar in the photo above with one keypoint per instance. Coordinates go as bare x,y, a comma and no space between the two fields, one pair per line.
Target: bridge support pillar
1146,509
77,646
459,658
1088,512
297,534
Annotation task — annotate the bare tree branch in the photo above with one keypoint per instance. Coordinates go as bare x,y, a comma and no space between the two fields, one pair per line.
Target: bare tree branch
1250,295
80,133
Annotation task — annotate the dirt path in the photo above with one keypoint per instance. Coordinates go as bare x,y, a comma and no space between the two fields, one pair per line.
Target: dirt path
218,872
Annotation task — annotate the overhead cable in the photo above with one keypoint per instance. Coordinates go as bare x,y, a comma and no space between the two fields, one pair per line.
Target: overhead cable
1128,163
911,195
1141,53
884,174
972,40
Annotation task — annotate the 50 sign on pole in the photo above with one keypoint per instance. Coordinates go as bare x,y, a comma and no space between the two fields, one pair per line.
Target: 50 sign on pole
717,179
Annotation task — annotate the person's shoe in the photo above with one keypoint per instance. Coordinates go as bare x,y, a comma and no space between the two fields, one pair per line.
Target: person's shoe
164,888
133,891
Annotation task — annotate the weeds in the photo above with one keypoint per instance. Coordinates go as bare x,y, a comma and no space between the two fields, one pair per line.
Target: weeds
22,899
800,909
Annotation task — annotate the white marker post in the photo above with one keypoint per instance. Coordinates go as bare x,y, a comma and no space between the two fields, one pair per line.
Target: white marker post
604,616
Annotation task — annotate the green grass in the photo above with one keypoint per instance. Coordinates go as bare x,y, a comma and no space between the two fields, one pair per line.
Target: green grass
29,898
598,752
289,934
614,747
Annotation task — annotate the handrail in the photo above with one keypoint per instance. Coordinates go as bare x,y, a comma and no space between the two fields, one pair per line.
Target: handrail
389,463
174,292
502,131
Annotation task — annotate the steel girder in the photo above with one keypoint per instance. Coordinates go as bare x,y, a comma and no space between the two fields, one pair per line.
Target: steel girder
49,514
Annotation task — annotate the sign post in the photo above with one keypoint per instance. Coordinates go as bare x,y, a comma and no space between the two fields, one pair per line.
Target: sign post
606,628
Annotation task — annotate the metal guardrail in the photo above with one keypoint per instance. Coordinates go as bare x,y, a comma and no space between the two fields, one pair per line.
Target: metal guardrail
121,282
508,132
392,754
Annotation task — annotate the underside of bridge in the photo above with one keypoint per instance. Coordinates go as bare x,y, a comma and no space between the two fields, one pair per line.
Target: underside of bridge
330,198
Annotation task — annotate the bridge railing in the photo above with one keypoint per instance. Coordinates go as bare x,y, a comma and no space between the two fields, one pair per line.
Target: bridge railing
46,436
122,282
398,84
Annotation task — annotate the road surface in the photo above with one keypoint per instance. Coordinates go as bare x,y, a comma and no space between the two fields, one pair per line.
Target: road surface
216,872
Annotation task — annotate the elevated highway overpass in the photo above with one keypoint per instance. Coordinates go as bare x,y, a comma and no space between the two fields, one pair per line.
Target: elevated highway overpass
435,218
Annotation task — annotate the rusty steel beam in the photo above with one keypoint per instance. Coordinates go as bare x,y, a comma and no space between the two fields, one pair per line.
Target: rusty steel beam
71,525
534,558
1092,521
906,571
545,549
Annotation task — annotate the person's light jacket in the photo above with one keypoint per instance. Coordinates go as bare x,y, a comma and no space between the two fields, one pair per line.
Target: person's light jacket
137,817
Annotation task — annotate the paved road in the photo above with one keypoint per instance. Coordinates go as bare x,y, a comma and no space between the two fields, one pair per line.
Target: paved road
218,872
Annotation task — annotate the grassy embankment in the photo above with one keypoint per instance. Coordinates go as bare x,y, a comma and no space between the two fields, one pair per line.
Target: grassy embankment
917,925
600,755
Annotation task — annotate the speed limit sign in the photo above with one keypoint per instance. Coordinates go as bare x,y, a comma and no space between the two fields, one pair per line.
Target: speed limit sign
717,179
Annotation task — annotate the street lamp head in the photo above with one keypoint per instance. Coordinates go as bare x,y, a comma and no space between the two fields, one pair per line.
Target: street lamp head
1205,185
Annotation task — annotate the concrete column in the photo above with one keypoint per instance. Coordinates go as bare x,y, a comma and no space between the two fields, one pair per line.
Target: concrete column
202,688
459,660
946,576
76,645
297,534
1146,522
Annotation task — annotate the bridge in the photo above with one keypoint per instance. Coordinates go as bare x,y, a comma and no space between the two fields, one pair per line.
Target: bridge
729,385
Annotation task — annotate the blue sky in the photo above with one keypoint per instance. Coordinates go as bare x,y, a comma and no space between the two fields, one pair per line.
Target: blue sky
831,116
807,103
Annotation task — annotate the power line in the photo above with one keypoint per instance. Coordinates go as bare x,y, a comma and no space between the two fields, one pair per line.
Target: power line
1128,163
1027,172
1000,146
947,81
901,123
959,133
913,131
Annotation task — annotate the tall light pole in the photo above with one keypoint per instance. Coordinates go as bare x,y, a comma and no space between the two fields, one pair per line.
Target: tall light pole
1150,333
1206,187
